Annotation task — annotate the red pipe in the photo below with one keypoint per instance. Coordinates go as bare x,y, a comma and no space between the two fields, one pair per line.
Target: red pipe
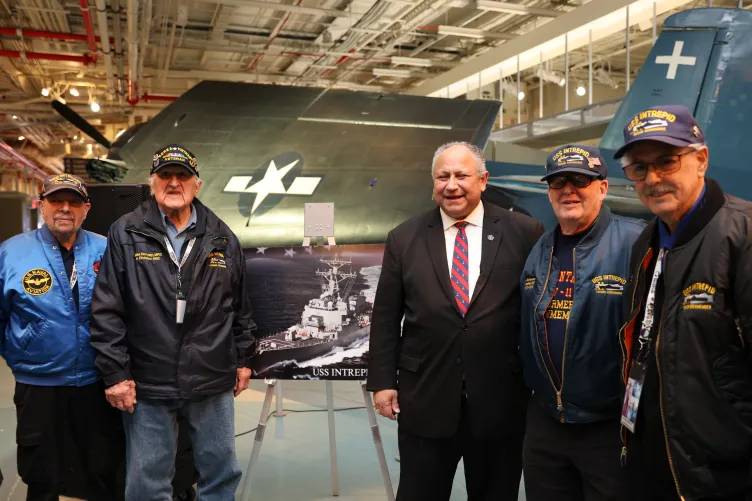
339,61
132,93
89,28
85,59
147,98
279,30
72,37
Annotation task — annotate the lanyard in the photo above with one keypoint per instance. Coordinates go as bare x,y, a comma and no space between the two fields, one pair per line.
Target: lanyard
73,276
647,320
174,258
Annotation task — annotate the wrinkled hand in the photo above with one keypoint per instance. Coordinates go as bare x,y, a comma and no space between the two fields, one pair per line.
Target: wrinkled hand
241,380
386,403
122,395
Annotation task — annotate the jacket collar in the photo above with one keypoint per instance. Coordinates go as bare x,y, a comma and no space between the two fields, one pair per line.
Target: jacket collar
153,217
49,237
710,204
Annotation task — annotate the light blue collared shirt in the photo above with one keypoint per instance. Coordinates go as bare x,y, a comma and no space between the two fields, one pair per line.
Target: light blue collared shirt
177,238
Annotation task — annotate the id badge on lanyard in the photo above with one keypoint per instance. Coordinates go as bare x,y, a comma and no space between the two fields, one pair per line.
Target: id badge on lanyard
636,379
180,302
73,276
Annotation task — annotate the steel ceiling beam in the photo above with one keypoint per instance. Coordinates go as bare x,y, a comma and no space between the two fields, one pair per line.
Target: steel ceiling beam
566,23
284,7
513,8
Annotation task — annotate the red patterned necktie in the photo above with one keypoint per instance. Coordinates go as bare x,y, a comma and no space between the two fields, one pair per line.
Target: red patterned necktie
460,269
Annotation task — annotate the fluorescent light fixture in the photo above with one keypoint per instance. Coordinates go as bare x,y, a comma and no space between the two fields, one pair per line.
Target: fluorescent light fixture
521,96
74,92
581,90
472,33
466,76
389,72
412,61
95,107
512,8
45,92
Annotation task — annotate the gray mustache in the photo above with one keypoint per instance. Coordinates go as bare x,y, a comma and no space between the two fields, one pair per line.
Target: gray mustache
657,191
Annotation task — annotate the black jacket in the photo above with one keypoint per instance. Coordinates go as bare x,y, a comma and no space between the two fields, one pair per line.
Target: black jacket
427,357
133,326
702,337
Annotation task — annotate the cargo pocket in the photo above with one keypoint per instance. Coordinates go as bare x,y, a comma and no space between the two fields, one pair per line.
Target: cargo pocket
35,458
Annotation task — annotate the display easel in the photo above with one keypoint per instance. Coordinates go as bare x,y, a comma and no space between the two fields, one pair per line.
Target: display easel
318,223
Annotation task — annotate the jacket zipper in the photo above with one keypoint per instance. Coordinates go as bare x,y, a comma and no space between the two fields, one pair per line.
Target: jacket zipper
660,392
566,334
559,401
622,345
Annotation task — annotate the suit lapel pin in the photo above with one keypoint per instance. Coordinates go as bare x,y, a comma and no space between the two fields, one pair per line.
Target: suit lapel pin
490,237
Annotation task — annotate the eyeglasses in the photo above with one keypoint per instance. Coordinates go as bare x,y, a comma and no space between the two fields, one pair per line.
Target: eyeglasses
182,175
73,202
669,164
577,180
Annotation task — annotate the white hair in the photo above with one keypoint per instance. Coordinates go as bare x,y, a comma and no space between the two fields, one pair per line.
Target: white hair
627,158
477,153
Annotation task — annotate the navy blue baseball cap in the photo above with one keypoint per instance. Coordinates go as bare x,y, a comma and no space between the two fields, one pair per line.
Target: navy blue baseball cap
174,154
576,158
670,124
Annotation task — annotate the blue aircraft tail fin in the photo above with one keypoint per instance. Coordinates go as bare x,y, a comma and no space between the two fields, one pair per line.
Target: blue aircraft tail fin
701,60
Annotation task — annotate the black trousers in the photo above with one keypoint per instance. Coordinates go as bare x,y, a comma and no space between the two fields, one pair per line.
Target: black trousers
572,462
428,465
58,426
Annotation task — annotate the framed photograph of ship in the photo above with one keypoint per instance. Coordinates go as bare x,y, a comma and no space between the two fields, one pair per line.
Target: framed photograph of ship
312,306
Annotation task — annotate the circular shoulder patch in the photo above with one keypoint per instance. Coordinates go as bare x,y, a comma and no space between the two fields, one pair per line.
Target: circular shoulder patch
37,282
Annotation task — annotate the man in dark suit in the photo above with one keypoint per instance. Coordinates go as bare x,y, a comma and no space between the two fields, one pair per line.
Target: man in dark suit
453,273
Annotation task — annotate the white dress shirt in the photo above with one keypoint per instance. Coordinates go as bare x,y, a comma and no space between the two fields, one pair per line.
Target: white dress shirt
474,232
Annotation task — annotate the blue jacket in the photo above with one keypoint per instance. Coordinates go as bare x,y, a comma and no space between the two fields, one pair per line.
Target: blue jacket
42,337
591,388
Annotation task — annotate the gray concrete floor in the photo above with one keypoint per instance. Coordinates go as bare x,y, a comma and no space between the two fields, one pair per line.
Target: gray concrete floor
294,463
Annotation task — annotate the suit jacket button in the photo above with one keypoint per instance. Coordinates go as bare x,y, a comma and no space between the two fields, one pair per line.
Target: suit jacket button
459,360
464,327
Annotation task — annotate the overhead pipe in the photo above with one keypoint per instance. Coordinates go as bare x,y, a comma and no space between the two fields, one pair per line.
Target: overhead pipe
51,35
86,59
121,88
133,101
132,50
275,33
148,97
90,38
22,160
102,20
145,30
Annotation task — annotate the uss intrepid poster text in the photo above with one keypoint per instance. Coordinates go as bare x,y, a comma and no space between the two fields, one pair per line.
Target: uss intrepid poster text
313,307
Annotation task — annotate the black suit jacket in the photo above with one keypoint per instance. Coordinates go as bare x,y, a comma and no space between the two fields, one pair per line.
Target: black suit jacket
437,346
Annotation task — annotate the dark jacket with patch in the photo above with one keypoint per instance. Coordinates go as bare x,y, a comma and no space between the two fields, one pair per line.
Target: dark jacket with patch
703,344
591,387
133,326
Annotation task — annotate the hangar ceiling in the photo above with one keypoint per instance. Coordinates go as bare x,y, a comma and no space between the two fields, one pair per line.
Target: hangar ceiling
118,62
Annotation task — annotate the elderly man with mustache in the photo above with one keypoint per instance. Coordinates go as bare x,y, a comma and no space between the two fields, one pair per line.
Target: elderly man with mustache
46,281
687,409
